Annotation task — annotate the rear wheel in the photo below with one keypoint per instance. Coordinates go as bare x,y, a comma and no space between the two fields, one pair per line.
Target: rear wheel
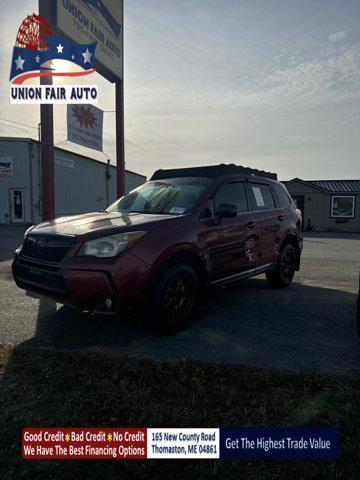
284,272
173,298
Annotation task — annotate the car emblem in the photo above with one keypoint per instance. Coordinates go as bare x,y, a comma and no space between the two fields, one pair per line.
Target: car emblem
41,242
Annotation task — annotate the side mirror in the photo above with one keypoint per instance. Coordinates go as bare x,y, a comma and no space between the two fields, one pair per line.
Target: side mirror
226,210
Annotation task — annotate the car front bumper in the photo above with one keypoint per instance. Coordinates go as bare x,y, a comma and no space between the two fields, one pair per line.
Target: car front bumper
101,288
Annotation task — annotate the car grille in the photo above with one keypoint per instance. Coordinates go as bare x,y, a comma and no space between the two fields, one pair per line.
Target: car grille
47,248
42,280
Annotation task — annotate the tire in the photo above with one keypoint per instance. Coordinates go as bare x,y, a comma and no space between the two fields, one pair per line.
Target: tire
173,298
284,271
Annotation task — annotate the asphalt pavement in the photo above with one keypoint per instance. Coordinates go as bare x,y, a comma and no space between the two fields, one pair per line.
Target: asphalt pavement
309,326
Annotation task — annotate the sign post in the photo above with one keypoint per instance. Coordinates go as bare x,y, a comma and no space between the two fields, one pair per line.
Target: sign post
120,147
47,139
120,131
100,21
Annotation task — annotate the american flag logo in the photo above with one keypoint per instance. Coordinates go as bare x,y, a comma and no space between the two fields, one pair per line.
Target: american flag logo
35,46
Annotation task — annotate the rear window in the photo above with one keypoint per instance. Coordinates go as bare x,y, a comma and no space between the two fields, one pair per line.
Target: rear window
281,196
261,197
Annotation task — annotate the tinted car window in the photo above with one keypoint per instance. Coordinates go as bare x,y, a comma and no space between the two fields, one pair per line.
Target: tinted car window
282,198
233,194
208,211
261,197
169,196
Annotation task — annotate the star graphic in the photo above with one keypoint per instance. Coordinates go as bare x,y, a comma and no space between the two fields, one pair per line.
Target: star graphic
60,48
72,57
87,56
19,63
84,116
37,59
67,437
109,437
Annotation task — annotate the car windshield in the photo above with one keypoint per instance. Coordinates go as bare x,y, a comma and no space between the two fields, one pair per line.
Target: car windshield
171,196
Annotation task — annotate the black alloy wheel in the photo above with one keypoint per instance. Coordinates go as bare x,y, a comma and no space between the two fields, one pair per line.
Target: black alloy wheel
287,265
173,298
178,299
284,271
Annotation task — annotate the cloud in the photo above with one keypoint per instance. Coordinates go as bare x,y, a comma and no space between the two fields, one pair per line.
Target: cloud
304,81
336,37
310,138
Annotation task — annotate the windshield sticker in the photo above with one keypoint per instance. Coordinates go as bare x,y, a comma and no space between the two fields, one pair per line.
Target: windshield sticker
177,210
258,197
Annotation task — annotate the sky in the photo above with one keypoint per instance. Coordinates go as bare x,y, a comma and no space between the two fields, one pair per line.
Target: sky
270,84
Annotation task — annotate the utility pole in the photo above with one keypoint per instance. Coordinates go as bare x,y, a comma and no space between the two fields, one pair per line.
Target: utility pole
47,138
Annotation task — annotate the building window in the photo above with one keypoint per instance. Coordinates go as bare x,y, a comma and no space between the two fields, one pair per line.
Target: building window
343,206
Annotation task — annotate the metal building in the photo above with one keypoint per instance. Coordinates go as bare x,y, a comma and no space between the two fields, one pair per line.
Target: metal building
82,184
327,205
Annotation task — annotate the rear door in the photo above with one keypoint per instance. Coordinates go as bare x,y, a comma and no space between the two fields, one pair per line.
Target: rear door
230,246
265,216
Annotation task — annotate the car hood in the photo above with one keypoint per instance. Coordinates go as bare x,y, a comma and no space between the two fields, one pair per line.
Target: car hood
98,222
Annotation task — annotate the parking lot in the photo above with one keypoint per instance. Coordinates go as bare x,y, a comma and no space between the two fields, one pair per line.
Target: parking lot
308,327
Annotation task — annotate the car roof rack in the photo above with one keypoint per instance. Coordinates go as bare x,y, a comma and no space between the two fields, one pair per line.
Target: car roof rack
211,171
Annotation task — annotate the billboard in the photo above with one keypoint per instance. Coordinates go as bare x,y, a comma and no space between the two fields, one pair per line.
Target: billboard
100,21
85,126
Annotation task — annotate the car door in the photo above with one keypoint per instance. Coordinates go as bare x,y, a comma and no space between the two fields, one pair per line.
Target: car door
230,243
266,217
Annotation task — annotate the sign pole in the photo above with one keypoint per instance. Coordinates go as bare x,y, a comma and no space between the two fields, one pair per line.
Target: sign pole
120,150
47,138
119,115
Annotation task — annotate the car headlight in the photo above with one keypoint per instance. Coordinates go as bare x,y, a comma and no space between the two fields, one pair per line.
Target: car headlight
106,247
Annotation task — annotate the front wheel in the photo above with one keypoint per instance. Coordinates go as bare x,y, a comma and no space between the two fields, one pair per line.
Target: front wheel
173,298
284,272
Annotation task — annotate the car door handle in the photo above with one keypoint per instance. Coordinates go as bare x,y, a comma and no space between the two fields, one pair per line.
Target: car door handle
281,218
250,225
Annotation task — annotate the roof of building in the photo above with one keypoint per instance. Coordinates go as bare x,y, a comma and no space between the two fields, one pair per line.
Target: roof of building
333,186
28,139
338,186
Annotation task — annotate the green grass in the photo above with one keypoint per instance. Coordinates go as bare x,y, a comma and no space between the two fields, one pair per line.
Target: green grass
43,387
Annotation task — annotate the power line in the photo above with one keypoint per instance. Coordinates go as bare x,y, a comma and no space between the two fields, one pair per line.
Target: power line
18,123
13,126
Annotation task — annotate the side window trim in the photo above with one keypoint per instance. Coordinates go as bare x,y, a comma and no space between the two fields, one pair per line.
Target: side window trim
227,182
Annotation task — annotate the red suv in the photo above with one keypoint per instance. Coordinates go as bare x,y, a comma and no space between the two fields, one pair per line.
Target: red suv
159,244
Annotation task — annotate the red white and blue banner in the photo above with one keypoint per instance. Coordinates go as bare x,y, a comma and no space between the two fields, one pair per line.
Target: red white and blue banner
27,63
181,443
36,54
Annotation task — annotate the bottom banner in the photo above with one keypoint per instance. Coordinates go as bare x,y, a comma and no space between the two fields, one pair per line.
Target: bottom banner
181,443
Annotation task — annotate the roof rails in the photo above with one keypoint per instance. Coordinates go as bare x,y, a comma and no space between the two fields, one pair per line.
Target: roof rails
211,171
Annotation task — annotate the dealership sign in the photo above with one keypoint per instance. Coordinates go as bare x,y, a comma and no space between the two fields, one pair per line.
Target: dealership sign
6,167
34,55
85,126
99,21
